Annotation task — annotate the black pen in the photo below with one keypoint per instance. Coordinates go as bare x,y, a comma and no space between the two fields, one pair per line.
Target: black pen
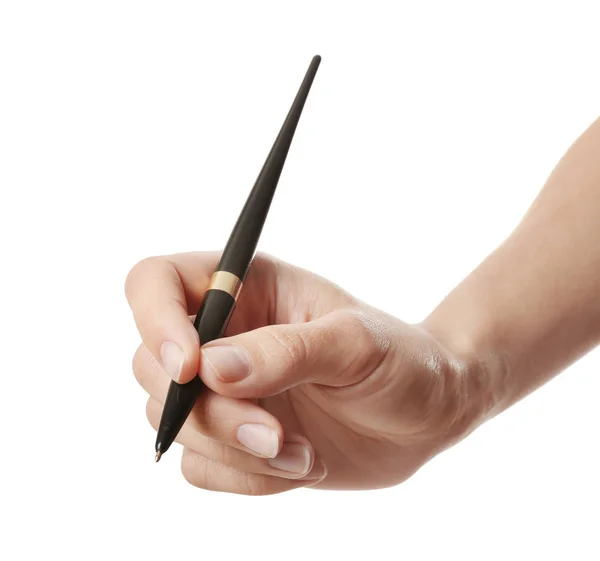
226,282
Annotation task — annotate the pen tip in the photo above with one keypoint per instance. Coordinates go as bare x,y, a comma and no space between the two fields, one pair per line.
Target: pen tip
158,455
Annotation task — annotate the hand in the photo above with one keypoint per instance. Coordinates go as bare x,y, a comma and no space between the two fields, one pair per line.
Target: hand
310,387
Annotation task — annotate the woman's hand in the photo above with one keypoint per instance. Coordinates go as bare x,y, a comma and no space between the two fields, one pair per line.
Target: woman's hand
311,387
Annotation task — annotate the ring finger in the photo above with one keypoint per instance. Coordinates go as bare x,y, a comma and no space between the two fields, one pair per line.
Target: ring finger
295,460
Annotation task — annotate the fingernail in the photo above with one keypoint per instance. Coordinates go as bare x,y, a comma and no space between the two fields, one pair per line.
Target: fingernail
229,363
293,457
172,359
259,438
318,471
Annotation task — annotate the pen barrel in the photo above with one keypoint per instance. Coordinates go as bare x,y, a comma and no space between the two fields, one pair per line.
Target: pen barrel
210,323
213,315
219,300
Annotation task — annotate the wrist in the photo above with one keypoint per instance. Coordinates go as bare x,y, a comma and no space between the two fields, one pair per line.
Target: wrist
481,370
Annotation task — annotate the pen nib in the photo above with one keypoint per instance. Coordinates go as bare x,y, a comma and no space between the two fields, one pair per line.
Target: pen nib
158,455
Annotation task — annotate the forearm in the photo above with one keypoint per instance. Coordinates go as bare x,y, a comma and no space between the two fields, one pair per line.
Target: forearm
533,306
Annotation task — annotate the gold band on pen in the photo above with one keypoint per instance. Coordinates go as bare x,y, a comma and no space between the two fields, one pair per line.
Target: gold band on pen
227,282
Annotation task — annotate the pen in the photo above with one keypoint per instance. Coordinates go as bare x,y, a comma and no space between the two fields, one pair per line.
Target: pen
225,285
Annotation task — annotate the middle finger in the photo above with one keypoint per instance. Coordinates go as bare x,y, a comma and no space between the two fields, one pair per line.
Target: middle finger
234,422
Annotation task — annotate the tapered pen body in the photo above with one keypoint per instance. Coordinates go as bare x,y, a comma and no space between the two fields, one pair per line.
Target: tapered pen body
211,321
219,301
241,246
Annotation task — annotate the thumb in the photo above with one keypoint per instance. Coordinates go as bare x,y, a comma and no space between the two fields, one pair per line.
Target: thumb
338,349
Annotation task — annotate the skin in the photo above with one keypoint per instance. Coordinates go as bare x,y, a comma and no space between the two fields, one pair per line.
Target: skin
359,398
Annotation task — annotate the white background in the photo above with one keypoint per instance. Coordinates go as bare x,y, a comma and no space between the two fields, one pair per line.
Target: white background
130,129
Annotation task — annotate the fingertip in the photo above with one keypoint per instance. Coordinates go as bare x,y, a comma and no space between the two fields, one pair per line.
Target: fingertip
179,351
172,358
318,472
156,294
259,439
225,363
153,408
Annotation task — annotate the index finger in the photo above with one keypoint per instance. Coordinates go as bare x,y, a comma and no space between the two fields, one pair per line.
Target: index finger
162,293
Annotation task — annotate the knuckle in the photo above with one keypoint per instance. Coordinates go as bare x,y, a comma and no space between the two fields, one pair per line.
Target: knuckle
437,404
137,363
438,365
430,383
258,485
264,258
253,485
468,399
226,455
209,412
369,334
211,475
137,271
152,413
197,471
293,347
189,470
148,268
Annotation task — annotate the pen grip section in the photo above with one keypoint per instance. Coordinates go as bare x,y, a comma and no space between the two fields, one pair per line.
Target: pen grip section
214,315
